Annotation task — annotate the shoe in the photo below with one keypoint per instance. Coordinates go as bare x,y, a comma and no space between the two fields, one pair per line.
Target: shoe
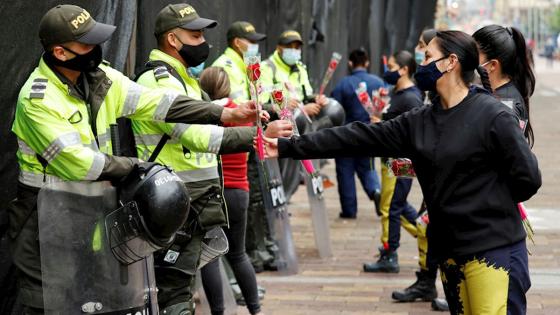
440,305
424,289
377,202
388,262
343,215
270,266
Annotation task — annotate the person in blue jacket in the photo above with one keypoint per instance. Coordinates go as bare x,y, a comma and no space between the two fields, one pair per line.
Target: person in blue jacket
346,167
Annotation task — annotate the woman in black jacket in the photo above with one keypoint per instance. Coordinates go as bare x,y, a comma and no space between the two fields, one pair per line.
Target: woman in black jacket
505,57
473,165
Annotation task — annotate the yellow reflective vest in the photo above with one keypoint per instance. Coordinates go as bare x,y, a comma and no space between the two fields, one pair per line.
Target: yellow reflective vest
202,141
275,71
53,121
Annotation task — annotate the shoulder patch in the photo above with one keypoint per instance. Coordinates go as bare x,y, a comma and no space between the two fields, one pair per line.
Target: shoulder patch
38,88
161,72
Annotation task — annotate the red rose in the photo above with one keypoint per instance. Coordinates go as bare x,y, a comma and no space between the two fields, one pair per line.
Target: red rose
363,97
333,64
277,96
254,72
383,92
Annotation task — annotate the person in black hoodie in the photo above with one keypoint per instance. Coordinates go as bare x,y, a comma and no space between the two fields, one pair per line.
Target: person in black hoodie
473,165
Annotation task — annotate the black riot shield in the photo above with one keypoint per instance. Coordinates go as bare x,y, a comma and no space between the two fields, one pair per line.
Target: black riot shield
277,215
319,215
80,274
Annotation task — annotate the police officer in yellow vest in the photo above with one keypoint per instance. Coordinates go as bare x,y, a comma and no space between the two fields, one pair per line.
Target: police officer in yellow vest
242,41
180,35
285,65
62,124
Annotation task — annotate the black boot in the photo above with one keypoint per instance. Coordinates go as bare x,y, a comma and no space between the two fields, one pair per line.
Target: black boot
376,198
440,305
424,288
388,262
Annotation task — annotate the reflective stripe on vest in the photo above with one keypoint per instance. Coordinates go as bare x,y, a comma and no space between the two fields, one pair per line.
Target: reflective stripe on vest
59,144
199,174
24,148
132,99
38,180
164,104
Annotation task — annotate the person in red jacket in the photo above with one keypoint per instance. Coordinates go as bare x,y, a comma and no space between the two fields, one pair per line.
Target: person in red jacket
215,82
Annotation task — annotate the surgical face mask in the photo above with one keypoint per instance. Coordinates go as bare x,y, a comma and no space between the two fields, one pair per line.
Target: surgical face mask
252,50
84,63
291,56
419,57
426,76
194,55
391,77
195,71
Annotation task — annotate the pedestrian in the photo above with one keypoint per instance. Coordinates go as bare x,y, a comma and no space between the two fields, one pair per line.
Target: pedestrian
549,52
62,120
215,82
395,209
473,164
345,93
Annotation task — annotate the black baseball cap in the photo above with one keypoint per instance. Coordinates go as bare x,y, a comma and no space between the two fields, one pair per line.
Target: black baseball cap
245,30
181,15
289,37
65,23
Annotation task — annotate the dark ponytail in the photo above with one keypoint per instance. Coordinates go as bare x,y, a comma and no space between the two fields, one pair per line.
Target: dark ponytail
484,79
523,77
507,45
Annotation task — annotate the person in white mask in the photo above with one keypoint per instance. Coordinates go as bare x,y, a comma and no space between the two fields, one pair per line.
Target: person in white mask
242,41
285,65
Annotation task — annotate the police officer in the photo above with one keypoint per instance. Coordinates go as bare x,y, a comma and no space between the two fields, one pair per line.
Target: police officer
285,66
180,36
62,120
243,41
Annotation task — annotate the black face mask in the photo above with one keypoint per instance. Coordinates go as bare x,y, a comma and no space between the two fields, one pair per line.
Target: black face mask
84,63
194,55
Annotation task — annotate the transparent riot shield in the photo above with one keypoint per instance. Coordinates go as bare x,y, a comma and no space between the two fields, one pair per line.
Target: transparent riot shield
319,214
80,274
277,215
